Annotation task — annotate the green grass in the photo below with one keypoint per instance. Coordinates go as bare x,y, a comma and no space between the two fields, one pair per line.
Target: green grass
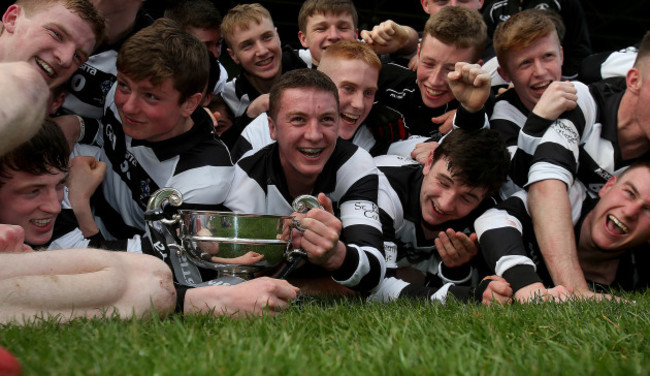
349,337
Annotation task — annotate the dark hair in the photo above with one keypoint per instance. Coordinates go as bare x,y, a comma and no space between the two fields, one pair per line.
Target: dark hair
163,51
304,78
477,158
194,13
644,162
311,7
47,150
460,27
644,49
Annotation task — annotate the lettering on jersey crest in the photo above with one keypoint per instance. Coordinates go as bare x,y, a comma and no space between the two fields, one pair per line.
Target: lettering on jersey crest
390,250
145,190
370,210
566,130
110,134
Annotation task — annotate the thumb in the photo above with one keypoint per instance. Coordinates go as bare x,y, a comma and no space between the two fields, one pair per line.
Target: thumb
326,202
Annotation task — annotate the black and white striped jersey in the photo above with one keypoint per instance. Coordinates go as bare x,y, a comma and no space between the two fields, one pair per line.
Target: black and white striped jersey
582,143
195,163
349,179
88,87
405,243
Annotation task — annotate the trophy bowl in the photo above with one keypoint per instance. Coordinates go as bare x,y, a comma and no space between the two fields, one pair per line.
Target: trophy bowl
234,244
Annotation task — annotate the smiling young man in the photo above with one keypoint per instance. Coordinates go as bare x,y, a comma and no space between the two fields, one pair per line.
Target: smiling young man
609,231
354,68
54,36
427,214
253,43
89,282
572,133
308,158
454,34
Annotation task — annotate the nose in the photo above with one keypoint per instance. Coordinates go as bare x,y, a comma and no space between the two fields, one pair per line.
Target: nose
65,55
357,100
631,209
313,131
447,202
333,33
129,105
538,67
437,77
51,202
261,48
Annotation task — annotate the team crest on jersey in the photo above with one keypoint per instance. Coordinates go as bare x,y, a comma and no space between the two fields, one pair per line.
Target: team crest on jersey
567,130
106,86
145,189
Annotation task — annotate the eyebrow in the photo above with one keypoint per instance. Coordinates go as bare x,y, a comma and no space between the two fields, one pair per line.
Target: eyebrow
452,181
64,30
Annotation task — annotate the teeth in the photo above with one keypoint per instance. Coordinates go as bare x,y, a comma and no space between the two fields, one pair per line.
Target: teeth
435,207
311,152
349,118
434,92
542,85
265,61
618,223
41,222
45,67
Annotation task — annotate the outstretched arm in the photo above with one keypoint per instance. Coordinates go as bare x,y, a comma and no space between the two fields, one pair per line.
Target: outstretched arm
390,37
96,282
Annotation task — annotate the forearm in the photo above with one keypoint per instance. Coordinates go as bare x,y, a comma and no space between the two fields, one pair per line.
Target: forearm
84,216
550,210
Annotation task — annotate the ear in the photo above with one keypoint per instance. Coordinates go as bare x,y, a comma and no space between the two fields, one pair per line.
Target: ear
419,45
233,56
634,80
272,128
610,183
356,34
561,55
425,6
56,103
190,104
303,39
428,164
10,17
480,62
503,74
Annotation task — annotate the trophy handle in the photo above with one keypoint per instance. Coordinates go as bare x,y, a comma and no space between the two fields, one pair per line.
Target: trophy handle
302,204
158,220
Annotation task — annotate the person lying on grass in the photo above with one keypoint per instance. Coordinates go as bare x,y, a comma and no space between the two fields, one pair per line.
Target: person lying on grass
612,232
427,214
73,282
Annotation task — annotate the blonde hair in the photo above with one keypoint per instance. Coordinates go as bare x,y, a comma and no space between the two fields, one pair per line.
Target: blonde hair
352,50
241,16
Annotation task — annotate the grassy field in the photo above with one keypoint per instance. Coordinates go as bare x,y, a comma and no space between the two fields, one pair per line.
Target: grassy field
350,337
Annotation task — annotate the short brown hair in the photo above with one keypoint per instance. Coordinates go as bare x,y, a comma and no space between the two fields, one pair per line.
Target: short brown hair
524,28
353,50
47,150
304,78
241,16
194,13
458,26
83,8
311,7
163,51
644,49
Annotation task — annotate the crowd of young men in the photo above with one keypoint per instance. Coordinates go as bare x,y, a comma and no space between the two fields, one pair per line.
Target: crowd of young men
550,203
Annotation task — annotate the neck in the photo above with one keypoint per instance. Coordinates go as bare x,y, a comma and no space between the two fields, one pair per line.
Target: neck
263,86
631,138
598,265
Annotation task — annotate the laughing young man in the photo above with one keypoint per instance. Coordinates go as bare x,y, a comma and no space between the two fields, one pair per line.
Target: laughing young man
54,36
309,158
